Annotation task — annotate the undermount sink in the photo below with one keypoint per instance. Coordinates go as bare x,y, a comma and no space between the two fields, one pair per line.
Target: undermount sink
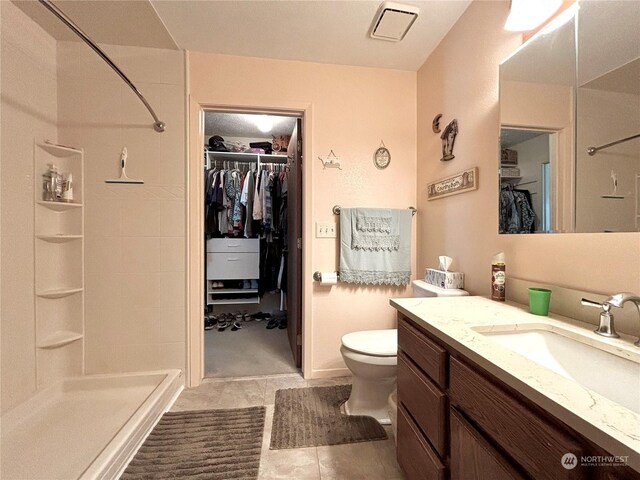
581,359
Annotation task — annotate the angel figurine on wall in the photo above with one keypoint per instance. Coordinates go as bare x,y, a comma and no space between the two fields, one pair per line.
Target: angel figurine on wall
448,139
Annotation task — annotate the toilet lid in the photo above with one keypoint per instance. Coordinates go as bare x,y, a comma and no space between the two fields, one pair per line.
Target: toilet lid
382,343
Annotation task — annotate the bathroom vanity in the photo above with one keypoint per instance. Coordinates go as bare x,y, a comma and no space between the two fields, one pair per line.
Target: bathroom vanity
475,407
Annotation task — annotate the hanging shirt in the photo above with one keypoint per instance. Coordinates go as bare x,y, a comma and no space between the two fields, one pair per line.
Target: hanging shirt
257,201
247,200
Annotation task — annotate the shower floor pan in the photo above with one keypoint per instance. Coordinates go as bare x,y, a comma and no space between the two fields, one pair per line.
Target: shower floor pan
86,427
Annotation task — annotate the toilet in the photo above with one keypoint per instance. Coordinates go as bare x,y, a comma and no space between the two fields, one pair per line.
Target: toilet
372,357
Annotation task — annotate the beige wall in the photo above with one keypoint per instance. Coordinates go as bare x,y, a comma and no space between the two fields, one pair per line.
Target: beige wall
28,114
351,109
134,234
460,80
604,117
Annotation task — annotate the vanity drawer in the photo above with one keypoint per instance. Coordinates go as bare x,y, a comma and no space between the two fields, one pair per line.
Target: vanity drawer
472,457
533,442
233,266
233,245
428,355
426,403
416,458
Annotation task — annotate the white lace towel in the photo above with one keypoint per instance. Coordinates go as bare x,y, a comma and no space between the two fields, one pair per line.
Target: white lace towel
370,255
375,229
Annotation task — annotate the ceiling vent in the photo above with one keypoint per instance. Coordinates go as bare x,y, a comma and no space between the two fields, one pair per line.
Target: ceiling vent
393,21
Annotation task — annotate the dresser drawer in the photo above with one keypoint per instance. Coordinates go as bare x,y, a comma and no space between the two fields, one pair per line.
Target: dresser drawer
233,266
533,442
233,245
416,458
426,403
428,355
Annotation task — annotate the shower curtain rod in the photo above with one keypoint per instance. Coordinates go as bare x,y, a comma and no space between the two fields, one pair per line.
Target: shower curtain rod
593,150
158,125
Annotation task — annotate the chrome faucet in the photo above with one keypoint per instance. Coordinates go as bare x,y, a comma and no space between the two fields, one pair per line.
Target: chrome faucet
606,328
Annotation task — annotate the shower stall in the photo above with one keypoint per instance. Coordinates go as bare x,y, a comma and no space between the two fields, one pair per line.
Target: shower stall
93,300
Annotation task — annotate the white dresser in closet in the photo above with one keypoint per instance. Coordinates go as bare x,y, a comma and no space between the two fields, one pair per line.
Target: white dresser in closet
232,259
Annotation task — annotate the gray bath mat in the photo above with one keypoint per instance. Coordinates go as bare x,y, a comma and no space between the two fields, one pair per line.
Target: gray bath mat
310,417
201,444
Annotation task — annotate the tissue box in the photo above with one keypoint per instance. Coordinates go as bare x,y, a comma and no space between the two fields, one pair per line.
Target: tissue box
443,279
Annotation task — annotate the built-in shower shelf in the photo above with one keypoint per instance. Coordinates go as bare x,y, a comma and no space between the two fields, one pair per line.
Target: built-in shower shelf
60,150
60,339
59,238
58,293
59,206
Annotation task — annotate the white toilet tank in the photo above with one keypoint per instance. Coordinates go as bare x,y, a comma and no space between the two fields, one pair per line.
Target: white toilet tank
424,289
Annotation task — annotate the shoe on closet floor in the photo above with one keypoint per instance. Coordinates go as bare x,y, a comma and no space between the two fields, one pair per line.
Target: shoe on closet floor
258,317
273,323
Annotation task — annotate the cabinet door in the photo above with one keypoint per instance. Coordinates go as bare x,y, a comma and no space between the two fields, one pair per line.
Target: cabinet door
472,458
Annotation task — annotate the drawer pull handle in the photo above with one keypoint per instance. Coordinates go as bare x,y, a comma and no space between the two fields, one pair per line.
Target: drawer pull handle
232,259
232,245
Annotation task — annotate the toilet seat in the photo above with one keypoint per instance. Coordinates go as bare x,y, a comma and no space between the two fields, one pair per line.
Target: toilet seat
379,343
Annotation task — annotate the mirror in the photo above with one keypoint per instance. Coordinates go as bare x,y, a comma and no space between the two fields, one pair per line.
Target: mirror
572,87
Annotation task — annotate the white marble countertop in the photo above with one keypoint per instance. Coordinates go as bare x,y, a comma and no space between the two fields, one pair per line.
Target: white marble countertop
458,322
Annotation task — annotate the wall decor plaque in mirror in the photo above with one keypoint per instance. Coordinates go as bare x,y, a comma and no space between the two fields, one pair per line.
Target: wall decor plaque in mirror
570,124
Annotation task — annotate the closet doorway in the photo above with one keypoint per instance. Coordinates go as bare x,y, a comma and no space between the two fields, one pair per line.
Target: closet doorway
252,256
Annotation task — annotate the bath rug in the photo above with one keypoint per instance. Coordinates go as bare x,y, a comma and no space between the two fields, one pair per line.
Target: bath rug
201,444
310,417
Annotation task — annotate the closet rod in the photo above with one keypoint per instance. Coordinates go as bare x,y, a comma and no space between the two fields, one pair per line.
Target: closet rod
158,125
336,210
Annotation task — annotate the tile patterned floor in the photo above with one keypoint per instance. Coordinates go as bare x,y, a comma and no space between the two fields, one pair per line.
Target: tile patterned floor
355,461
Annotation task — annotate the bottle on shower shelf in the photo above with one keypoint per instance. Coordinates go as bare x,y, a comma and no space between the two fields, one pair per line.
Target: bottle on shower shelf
67,189
50,183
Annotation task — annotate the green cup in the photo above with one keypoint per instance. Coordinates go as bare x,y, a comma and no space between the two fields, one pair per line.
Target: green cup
539,301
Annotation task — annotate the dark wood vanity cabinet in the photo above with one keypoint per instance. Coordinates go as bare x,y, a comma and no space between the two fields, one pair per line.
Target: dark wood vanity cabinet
473,456
456,421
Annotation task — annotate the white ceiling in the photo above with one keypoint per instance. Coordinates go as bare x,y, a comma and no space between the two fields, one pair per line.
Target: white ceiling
328,31
113,22
511,136
243,125
546,58
323,31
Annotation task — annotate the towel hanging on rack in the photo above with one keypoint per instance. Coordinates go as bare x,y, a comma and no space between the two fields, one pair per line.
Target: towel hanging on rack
381,259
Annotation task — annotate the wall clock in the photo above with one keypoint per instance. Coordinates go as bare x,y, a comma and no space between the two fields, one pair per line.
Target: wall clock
382,157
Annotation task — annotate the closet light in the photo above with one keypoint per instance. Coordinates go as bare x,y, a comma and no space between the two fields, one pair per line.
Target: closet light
264,123
525,15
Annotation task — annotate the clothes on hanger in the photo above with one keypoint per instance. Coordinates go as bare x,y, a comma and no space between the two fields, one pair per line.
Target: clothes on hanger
516,213
250,204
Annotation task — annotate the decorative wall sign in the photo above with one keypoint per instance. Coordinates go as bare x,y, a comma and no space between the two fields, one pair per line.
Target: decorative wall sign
330,161
435,125
458,183
382,157
448,139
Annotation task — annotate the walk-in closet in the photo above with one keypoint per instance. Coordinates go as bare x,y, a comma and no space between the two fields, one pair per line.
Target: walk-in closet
252,224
